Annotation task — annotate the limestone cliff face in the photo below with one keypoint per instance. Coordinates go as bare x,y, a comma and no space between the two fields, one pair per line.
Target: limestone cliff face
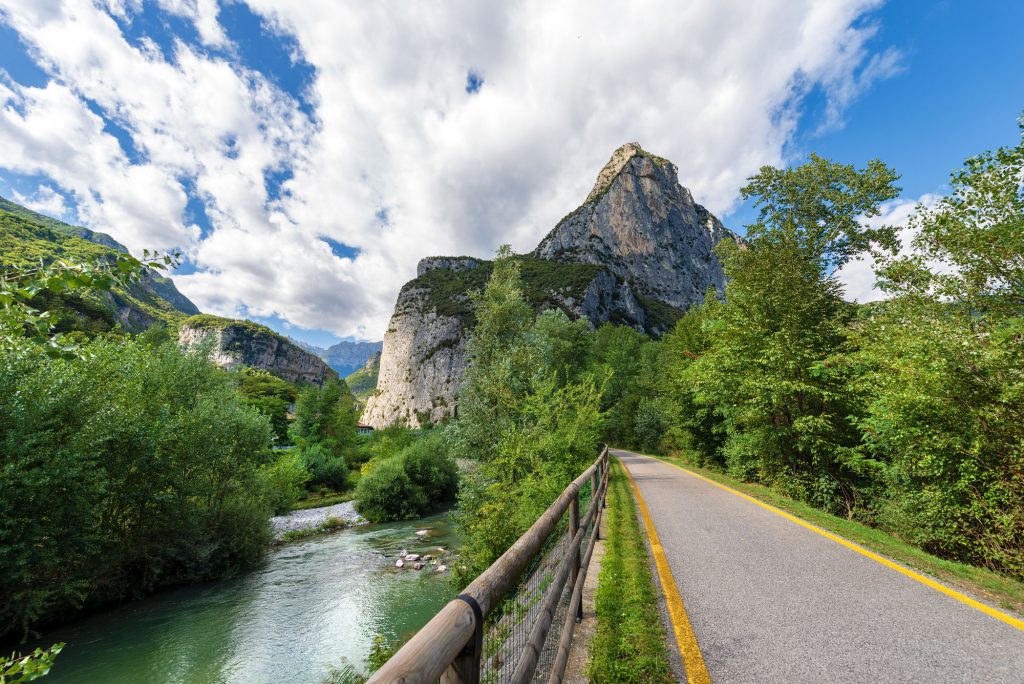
638,252
422,362
643,226
243,343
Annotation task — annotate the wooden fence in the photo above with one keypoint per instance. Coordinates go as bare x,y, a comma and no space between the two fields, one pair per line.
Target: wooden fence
450,647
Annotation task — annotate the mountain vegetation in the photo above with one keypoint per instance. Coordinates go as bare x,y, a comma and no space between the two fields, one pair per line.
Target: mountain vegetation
28,240
363,382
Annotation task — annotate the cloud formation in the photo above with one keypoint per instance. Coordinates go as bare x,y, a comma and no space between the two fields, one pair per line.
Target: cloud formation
388,150
858,276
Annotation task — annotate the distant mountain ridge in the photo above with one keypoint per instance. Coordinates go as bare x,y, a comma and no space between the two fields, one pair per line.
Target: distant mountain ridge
363,382
28,237
345,357
639,251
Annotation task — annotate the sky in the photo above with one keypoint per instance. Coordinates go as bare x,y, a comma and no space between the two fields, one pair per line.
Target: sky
304,156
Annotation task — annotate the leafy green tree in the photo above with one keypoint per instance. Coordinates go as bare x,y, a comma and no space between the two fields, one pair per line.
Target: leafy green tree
501,363
20,288
326,416
523,416
625,361
941,370
28,668
768,369
692,428
326,469
283,480
271,396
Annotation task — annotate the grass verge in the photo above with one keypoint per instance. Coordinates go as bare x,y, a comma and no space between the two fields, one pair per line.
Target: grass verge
630,644
998,590
327,499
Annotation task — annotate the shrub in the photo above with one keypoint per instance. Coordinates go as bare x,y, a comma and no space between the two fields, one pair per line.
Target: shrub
325,468
423,476
431,469
388,493
283,480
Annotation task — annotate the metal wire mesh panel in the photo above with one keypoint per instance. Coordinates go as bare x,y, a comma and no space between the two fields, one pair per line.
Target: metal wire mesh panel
506,637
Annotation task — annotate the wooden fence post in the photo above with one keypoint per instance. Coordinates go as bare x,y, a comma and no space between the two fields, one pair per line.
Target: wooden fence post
574,526
465,669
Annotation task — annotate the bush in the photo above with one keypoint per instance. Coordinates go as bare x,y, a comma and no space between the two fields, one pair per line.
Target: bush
325,469
387,493
431,469
284,479
406,486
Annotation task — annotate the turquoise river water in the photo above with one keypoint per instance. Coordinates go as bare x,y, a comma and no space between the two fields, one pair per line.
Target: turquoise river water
314,605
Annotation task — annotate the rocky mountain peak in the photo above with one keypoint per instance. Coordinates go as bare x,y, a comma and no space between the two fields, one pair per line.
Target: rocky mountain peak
615,165
639,251
645,227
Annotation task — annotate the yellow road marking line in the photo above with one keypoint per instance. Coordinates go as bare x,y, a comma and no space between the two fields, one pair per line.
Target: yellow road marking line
693,661
927,581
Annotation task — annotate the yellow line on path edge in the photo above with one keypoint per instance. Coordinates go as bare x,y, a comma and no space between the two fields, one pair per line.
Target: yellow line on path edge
927,581
693,661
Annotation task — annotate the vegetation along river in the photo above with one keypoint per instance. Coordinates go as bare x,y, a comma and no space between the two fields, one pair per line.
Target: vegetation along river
315,604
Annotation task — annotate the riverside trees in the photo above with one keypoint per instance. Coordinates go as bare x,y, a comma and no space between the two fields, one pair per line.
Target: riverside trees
126,464
529,414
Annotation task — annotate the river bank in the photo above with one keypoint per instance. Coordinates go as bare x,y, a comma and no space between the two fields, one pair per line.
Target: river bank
316,604
316,518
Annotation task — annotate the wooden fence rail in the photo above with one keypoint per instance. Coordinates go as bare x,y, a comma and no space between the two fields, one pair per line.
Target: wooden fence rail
450,646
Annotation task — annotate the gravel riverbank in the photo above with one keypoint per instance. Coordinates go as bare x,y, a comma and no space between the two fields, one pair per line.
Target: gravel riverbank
314,517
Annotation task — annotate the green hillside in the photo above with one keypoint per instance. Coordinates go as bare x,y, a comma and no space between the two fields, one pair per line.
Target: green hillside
363,382
448,290
28,238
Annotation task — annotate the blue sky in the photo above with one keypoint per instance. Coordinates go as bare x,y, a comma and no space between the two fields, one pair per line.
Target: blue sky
305,157
960,91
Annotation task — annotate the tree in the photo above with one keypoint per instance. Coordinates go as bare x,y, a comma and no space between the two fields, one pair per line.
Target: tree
768,370
271,396
941,368
522,415
122,469
621,358
326,416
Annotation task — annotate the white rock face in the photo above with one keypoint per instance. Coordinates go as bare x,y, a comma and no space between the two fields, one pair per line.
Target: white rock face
651,248
420,367
644,227
244,344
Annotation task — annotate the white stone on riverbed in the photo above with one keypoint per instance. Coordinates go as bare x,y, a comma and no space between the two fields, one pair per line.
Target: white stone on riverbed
314,517
412,556
399,563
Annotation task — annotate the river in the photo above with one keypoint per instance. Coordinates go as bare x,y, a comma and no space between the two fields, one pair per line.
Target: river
315,604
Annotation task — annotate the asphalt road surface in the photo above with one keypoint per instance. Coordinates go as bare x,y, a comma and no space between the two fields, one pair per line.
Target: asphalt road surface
772,601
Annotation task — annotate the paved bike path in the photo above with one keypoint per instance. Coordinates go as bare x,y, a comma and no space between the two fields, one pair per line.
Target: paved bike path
771,601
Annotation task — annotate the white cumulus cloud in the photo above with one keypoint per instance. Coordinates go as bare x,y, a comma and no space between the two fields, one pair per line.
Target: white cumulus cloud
858,276
386,151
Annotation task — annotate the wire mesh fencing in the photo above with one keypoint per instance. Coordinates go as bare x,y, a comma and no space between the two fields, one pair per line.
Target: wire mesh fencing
508,629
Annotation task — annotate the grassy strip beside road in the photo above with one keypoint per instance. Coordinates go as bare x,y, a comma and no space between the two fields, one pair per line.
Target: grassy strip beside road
630,644
985,584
